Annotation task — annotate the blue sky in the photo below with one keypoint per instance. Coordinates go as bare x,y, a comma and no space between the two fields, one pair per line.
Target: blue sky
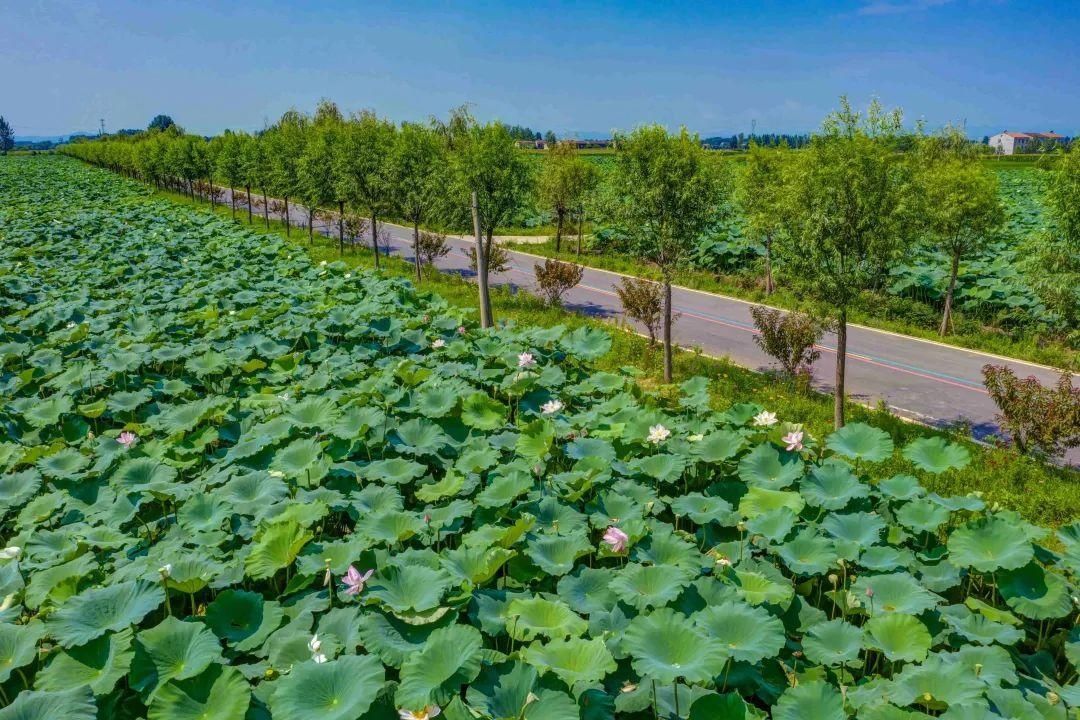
574,67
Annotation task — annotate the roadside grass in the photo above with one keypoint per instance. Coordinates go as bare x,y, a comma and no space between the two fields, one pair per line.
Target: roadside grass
1045,494
969,334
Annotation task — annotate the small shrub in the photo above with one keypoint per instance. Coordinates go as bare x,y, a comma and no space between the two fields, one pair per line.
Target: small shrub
789,338
642,300
431,248
356,228
1037,417
498,259
555,278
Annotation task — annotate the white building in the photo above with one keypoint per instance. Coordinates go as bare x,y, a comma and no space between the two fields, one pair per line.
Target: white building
1010,142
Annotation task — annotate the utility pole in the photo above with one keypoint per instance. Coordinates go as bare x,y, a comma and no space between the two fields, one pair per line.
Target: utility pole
753,128
101,128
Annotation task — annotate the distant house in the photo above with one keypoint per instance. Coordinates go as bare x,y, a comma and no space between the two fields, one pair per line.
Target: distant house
531,144
1011,143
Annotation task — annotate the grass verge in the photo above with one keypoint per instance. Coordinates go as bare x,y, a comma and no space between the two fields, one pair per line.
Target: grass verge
1045,494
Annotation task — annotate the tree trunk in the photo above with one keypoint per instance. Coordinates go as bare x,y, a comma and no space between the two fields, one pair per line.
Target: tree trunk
232,202
667,331
580,229
311,224
946,317
416,248
841,366
341,227
558,230
375,238
769,286
248,189
266,210
481,267
288,225
210,192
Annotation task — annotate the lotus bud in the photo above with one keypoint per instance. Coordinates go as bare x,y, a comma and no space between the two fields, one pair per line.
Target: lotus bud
165,570
8,602
978,669
833,579
326,577
628,687
1053,698
927,697
723,561
11,553
840,563
741,526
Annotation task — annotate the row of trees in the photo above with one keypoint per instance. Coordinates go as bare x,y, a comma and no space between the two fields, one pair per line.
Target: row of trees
837,214
455,172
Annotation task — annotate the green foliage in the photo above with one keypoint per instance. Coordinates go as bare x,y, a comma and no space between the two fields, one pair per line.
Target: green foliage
314,458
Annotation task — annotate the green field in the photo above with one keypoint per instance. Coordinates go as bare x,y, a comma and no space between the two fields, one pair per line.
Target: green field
206,428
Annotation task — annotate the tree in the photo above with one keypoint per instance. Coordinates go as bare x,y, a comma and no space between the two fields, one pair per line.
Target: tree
316,166
549,138
668,191
253,169
848,214
1055,258
960,205
229,162
284,147
418,177
565,181
760,196
7,136
161,123
496,177
362,168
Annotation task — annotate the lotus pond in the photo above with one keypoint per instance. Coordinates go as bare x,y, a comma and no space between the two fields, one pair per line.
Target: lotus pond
235,483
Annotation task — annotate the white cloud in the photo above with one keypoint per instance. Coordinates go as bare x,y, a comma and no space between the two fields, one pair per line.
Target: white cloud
898,7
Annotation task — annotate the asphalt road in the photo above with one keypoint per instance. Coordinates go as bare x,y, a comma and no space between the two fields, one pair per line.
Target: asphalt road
922,380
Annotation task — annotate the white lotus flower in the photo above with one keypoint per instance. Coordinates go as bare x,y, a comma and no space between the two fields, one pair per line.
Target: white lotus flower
526,360
438,343
11,553
696,437
658,434
765,419
165,570
425,713
315,646
551,407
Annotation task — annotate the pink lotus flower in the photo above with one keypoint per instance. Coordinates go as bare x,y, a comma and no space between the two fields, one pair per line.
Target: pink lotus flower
526,360
354,580
461,330
793,440
616,539
869,592
127,439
